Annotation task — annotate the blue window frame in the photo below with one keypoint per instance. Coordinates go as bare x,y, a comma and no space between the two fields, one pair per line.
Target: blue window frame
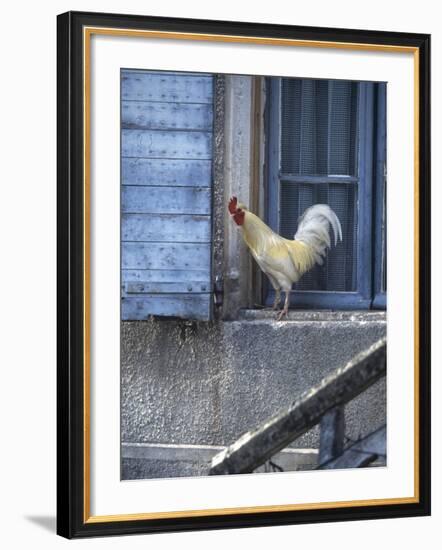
326,143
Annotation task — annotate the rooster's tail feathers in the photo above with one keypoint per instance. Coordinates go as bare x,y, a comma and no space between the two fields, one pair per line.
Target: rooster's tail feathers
314,229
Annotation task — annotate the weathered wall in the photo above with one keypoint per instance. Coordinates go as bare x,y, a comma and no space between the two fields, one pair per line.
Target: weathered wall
207,383
237,173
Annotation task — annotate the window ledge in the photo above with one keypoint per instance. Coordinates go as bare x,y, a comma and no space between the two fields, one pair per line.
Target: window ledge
298,315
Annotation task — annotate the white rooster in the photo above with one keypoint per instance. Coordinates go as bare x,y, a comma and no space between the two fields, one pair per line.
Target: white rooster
285,261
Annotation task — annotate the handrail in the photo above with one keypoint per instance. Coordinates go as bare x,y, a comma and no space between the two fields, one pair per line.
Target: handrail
254,448
361,452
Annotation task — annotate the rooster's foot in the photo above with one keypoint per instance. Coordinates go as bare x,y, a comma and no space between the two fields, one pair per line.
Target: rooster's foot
283,313
277,301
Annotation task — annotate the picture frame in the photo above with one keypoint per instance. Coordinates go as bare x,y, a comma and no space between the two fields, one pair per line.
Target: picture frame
75,517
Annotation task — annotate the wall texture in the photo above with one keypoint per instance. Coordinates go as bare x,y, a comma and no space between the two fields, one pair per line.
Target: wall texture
191,383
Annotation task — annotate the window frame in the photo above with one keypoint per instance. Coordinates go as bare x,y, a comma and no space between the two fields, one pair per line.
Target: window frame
380,239
371,165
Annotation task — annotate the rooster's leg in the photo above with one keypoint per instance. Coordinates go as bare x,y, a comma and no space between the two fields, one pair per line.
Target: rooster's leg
284,312
277,298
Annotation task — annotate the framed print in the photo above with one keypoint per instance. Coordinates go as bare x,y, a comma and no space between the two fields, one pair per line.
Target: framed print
243,274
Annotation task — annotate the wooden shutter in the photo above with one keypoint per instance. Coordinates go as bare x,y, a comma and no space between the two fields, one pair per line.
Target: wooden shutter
166,171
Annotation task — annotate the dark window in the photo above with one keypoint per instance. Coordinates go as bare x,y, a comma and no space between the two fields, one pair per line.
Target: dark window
326,144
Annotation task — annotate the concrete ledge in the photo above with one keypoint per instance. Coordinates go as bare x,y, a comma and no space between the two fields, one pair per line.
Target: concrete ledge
304,316
152,460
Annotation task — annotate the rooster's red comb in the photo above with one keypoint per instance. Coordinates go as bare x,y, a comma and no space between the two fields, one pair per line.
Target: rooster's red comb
233,205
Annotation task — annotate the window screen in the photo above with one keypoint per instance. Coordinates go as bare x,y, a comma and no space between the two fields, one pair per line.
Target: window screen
318,164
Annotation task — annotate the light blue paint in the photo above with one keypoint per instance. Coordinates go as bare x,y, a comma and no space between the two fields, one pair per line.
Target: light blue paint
185,306
166,200
172,228
145,115
166,148
165,256
166,144
188,287
169,275
163,87
178,172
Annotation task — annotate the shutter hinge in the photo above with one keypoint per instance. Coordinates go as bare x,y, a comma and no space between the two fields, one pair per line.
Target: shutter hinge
218,291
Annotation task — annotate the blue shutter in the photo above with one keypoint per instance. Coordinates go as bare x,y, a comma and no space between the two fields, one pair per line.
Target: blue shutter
166,197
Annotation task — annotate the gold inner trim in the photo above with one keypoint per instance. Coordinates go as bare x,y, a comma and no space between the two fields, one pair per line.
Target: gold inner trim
248,510
87,33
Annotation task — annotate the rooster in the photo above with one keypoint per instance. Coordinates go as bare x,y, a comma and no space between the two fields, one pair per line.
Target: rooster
285,261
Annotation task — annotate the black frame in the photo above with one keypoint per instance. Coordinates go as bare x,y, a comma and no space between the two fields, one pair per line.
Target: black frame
70,290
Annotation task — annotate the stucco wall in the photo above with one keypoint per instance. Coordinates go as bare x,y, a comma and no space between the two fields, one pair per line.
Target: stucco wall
207,383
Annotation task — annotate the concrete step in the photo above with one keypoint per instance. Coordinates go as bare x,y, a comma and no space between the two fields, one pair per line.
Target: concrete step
153,460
